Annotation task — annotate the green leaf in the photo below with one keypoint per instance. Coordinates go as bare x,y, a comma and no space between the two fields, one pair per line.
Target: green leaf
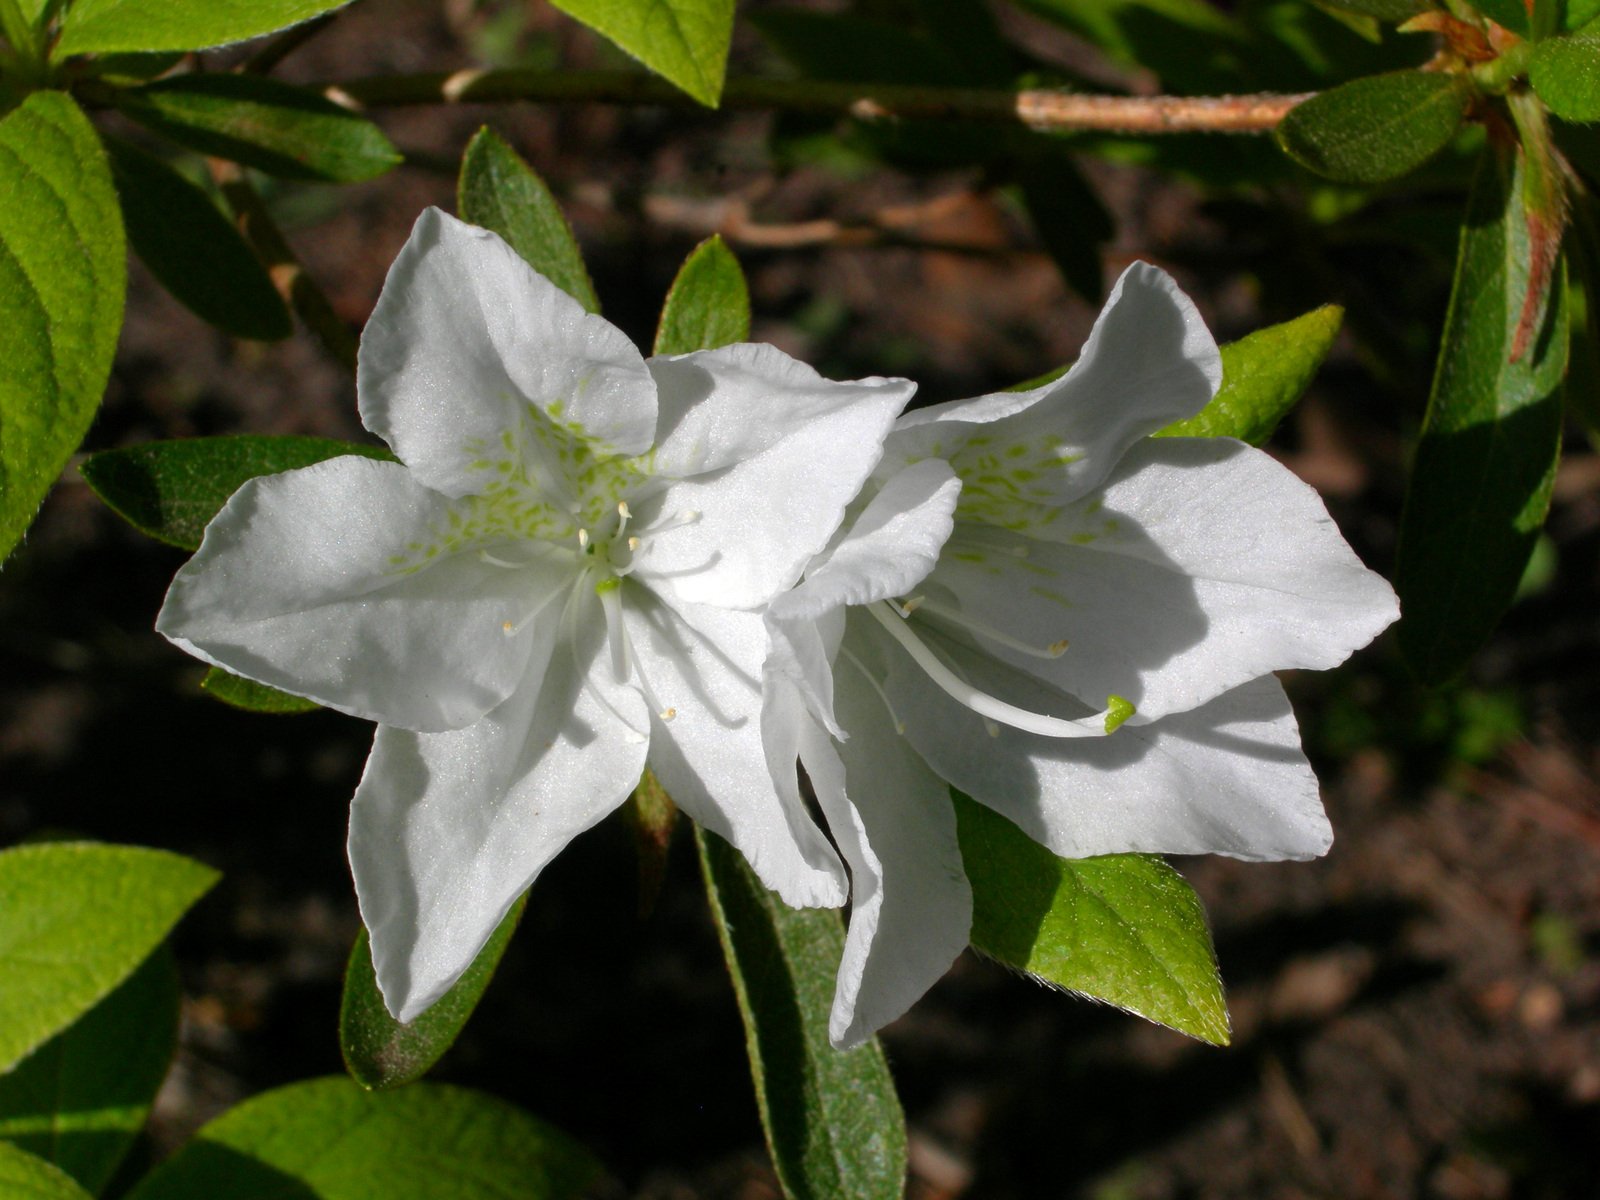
499,191
1480,482
832,1119
276,127
1510,13
75,919
685,41
24,1177
1579,13
62,276
171,490
80,1099
330,1140
1565,73
1263,376
379,1051
1378,128
1122,928
99,26
252,696
708,304
194,250
1384,10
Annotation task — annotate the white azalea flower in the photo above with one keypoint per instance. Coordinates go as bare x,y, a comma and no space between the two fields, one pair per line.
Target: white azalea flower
558,582
1071,622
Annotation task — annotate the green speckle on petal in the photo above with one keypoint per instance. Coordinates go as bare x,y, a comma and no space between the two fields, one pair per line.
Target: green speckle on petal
1118,710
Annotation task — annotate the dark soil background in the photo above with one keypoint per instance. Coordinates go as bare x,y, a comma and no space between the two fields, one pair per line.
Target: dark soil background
1417,1015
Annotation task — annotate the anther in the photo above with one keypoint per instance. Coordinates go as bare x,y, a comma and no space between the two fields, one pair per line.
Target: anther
583,539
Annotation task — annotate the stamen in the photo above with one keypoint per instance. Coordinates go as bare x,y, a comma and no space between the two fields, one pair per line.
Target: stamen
984,629
623,514
569,624
910,606
499,562
583,539
978,701
899,725
512,628
687,516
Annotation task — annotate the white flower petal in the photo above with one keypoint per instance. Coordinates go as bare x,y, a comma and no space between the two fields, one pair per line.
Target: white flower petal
1202,564
801,654
1226,778
1148,362
448,829
339,582
889,549
761,519
465,337
719,407
704,665
910,903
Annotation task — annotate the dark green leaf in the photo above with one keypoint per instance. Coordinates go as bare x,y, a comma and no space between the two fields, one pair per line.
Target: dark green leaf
1070,219
708,304
1377,128
855,49
75,919
1510,13
80,1099
25,1177
330,1140
62,278
1481,479
379,1051
685,41
171,490
273,126
252,696
499,191
832,1119
99,26
1579,13
1263,376
1565,72
1122,928
193,249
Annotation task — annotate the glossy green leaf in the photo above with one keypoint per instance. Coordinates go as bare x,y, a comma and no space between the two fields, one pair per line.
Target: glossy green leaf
1122,928
499,191
1378,128
99,26
685,41
196,252
276,127
26,1177
80,1099
1565,73
379,1051
1480,482
171,490
1263,376
330,1140
62,278
1578,13
75,919
708,304
832,1119
252,696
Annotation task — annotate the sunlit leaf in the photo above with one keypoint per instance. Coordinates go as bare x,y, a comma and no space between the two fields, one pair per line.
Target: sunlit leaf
26,1177
75,919
708,304
62,278
686,41
105,25
498,191
252,696
1565,72
1122,928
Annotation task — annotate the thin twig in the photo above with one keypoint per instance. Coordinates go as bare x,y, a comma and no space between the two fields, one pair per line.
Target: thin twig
1042,109
297,288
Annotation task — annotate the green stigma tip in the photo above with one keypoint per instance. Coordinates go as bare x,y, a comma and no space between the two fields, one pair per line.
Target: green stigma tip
1118,710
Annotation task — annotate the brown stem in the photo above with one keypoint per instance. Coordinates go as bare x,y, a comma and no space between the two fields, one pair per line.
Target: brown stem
1043,109
297,288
